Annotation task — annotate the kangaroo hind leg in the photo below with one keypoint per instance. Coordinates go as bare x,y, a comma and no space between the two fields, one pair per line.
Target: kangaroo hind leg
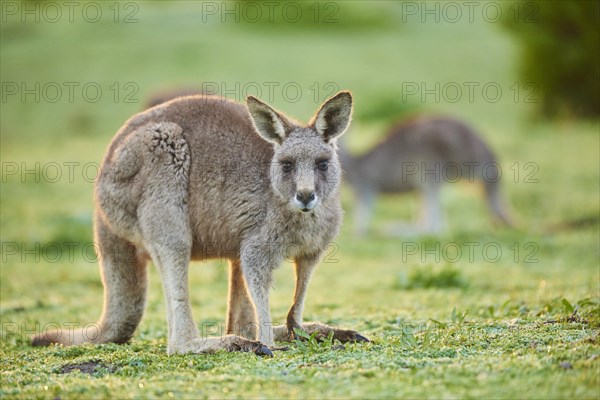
123,269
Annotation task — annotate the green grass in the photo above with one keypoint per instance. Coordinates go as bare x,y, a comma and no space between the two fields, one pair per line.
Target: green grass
427,277
520,325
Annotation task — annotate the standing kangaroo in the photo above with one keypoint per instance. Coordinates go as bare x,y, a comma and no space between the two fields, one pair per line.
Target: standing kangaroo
200,177
421,155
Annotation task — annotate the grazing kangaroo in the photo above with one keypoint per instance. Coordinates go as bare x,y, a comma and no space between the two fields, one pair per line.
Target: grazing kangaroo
200,177
421,155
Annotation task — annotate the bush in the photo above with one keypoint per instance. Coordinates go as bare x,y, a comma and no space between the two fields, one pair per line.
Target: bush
560,43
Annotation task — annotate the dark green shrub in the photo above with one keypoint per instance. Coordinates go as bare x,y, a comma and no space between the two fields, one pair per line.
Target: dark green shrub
560,53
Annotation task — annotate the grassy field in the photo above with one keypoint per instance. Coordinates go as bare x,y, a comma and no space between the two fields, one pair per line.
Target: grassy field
514,314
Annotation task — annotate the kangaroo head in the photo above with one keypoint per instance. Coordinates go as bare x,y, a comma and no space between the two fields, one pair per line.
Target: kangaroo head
305,170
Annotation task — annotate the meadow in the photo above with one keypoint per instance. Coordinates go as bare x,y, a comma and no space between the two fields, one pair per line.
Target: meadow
478,312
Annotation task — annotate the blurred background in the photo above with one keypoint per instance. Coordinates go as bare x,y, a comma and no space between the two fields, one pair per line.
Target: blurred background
522,73
525,74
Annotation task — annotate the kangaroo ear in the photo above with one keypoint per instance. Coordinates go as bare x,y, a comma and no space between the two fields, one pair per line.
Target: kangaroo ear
269,124
333,117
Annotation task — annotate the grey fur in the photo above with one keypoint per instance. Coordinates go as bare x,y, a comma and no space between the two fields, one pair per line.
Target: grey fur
192,179
421,155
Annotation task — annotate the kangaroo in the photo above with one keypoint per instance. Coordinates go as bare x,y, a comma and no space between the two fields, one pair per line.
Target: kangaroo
421,155
201,177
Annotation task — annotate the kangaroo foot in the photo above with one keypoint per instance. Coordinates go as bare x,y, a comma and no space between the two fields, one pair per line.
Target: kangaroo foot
322,332
228,342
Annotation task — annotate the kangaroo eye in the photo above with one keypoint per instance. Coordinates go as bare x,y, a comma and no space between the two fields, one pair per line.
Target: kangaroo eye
323,165
287,166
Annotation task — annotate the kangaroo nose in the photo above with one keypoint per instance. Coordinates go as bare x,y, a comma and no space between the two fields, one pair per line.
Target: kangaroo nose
305,197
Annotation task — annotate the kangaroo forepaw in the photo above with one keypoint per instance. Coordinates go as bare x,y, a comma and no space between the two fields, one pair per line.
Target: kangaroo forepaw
291,331
249,346
262,350
321,332
348,336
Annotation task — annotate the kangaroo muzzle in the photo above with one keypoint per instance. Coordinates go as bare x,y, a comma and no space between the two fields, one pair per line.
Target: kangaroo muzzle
305,200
